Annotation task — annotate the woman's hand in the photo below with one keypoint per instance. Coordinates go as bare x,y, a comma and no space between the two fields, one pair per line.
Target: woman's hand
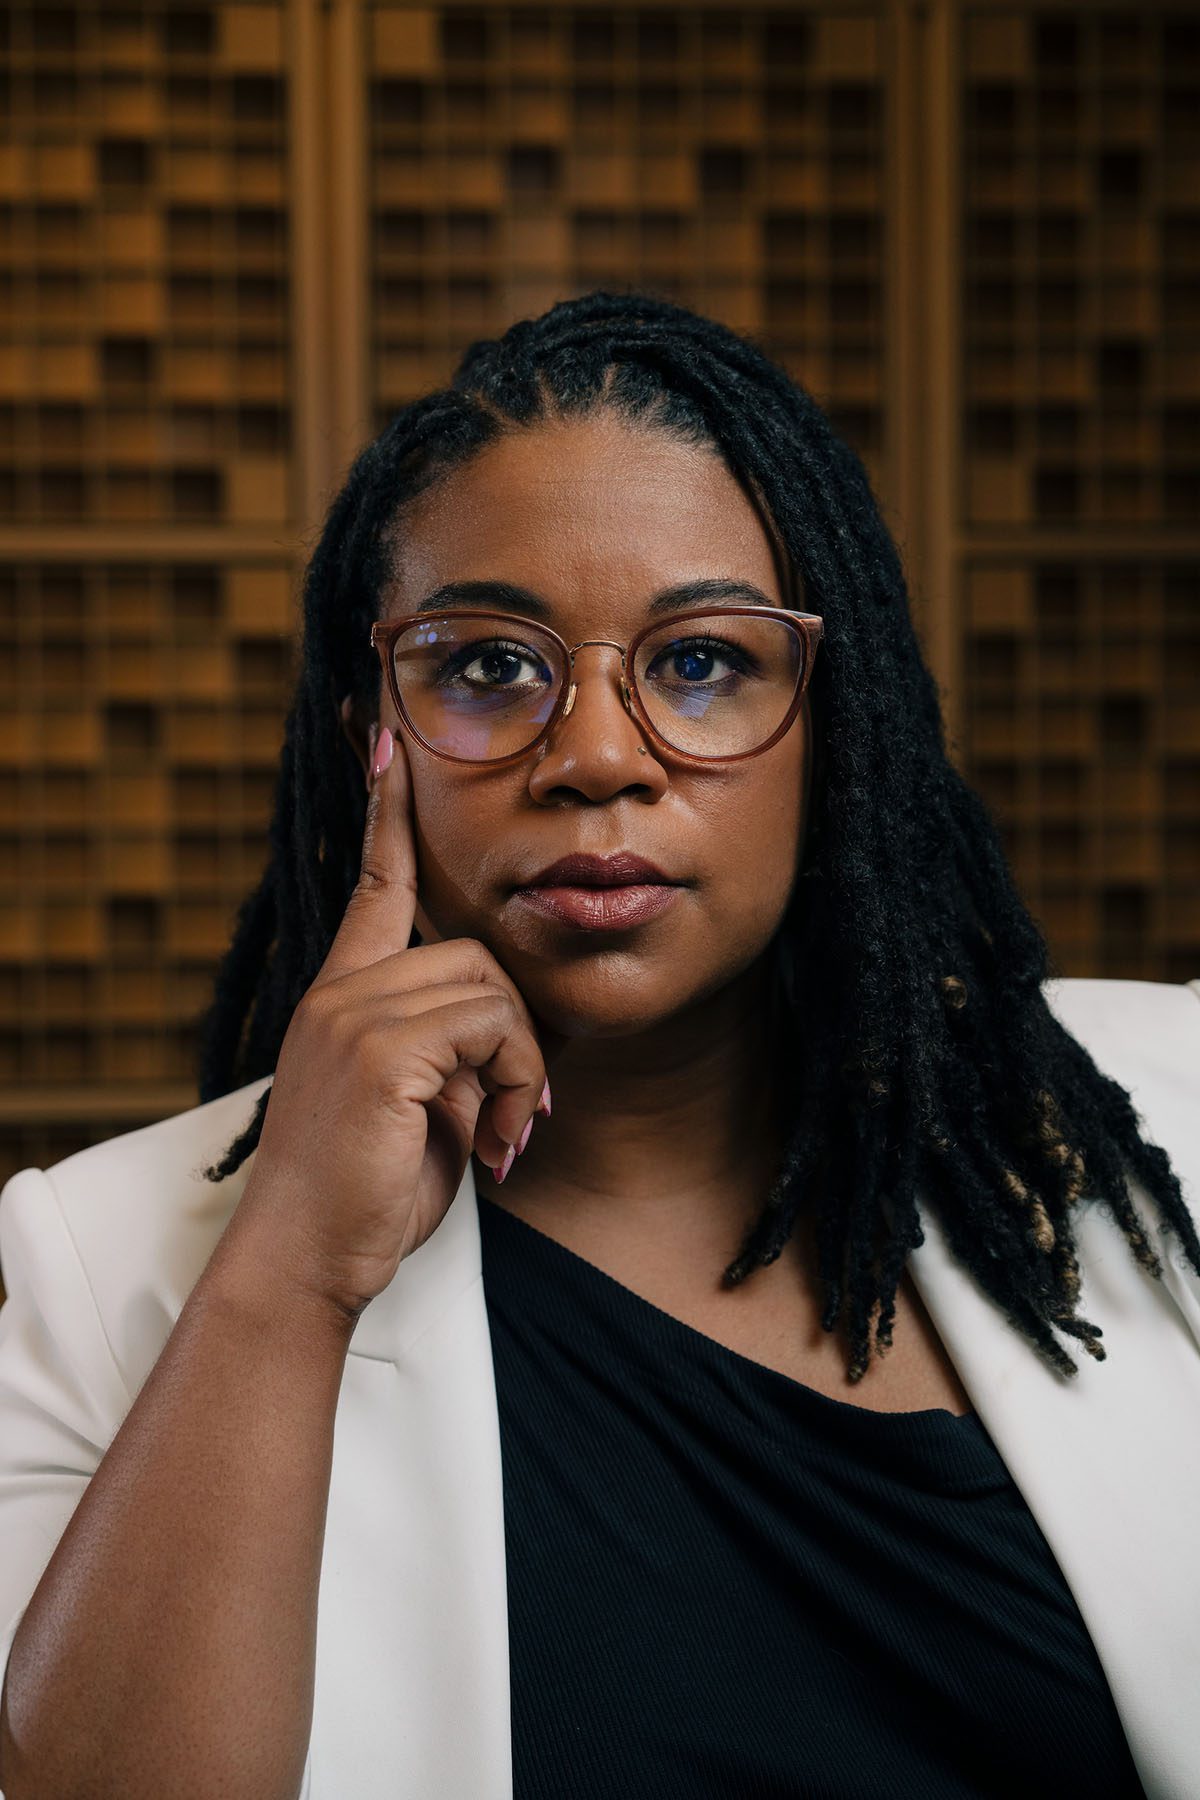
396,1063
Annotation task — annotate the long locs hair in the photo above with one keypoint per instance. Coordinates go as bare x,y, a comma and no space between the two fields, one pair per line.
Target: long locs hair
920,1056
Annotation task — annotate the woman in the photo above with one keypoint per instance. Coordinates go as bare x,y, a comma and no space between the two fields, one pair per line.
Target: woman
678,1435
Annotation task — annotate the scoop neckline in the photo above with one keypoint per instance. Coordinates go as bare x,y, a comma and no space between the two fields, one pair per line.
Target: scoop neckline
714,1349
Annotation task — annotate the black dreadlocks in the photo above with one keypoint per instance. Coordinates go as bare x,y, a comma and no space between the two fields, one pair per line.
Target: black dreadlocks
923,1055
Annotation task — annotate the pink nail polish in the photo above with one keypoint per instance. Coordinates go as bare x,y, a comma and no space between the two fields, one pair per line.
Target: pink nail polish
383,754
543,1105
524,1137
502,1170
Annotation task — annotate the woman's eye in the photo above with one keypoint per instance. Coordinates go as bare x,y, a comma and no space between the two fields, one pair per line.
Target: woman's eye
700,660
494,665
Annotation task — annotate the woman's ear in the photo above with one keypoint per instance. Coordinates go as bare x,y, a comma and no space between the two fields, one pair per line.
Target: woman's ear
360,733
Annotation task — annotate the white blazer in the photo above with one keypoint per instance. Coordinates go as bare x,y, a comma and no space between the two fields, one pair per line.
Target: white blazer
100,1252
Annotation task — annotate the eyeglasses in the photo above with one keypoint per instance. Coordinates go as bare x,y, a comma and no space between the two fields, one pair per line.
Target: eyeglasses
484,687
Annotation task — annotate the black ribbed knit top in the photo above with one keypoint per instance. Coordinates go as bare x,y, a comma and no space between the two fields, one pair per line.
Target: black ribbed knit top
722,1583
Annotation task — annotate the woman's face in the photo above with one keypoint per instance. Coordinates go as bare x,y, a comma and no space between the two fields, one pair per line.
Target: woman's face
596,516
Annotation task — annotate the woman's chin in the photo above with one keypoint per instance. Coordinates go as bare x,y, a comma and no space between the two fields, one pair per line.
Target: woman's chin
593,984
585,1008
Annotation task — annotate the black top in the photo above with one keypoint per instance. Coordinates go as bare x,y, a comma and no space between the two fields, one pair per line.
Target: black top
724,1584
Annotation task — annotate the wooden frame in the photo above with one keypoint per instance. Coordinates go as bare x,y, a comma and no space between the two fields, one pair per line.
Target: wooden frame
253,251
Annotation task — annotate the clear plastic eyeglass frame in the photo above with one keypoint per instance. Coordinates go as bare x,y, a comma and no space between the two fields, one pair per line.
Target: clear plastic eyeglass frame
809,627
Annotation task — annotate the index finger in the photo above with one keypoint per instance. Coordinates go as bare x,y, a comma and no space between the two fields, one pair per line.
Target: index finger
379,913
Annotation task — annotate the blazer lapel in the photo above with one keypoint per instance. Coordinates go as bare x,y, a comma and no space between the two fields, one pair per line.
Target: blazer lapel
412,1679
1108,1462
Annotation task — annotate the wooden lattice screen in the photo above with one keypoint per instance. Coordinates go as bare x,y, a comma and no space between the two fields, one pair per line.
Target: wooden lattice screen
234,238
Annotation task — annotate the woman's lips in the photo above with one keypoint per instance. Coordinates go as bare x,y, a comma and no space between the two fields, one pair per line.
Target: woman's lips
601,908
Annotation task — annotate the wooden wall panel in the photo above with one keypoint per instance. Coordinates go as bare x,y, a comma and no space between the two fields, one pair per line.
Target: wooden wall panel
140,727
1078,489
734,160
234,237
145,369
150,531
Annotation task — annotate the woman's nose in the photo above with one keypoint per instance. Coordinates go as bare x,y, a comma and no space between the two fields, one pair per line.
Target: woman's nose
596,744
602,676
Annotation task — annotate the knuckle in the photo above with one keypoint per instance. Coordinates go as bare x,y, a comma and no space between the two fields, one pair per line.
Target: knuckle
332,1001
330,1023
505,1010
496,991
314,1010
484,967
378,872
371,878
481,965
372,1052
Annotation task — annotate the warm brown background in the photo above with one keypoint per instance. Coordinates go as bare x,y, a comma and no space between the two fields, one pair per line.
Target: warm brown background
234,238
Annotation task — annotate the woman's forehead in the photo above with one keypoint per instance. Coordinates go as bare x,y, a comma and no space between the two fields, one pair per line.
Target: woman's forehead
573,506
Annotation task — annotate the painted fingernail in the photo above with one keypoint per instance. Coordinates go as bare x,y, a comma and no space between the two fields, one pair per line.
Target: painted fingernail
543,1105
502,1170
383,754
524,1137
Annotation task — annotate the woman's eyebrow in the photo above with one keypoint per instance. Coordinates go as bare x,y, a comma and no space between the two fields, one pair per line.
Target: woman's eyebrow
508,598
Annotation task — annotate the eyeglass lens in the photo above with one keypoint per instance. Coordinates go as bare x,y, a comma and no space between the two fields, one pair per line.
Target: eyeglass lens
717,684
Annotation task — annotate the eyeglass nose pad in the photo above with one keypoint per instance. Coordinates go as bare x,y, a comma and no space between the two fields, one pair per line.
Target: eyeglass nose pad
625,695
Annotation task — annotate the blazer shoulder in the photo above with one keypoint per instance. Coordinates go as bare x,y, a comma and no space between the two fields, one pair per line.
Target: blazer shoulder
1146,1034
1133,1011
134,1217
